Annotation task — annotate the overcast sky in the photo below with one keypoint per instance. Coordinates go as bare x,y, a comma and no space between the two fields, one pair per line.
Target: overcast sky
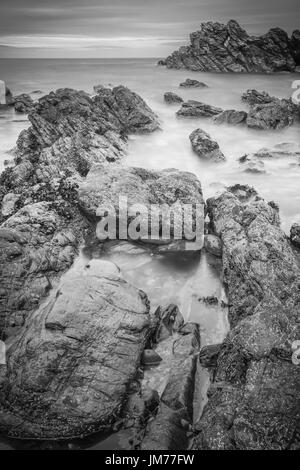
126,28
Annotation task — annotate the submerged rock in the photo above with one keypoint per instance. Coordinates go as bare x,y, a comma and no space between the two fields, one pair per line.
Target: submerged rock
295,235
205,147
193,108
170,97
189,83
96,327
254,398
216,47
230,116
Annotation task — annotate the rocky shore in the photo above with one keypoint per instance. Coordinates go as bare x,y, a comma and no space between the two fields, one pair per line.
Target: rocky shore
216,47
79,342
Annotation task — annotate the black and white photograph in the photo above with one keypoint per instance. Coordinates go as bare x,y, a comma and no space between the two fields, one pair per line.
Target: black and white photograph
149,228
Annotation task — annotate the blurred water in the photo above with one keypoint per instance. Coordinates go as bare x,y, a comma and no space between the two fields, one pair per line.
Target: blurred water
180,279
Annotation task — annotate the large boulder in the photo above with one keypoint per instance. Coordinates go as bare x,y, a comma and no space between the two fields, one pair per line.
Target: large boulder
274,115
252,97
218,47
106,183
194,109
254,397
68,372
205,147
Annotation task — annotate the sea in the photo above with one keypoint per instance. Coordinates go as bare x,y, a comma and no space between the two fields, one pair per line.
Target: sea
180,278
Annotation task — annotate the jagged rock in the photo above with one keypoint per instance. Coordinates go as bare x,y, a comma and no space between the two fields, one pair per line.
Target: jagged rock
105,183
171,320
295,47
295,235
213,245
189,83
23,103
254,398
193,109
252,97
274,115
205,147
216,47
9,97
96,327
230,116
170,97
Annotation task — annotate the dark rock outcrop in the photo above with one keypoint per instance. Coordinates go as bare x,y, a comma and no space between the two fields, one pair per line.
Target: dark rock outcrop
170,97
205,147
254,397
67,373
196,109
23,103
190,83
295,235
252,97
216,47
230,116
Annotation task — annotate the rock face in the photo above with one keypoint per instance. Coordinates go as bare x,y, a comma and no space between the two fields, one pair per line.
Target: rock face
23,103
230,116
216,47
205,147
105,184
68,373
170,97
254,397
193,109
295,235
189,83
275,115
213,245
269,112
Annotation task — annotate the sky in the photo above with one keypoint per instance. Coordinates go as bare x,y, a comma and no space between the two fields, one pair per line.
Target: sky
126,28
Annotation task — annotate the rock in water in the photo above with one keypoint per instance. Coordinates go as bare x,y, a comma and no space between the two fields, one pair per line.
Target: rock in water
23,103
205,147
193,108
295,235
216,47
275,115
189,83
254,398
252,97
106,183
230,116
170,97
67,374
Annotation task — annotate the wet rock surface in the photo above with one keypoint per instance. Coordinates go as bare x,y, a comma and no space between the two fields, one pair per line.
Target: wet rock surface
194,109
218,47
23,103
254,397
205,146
67,373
